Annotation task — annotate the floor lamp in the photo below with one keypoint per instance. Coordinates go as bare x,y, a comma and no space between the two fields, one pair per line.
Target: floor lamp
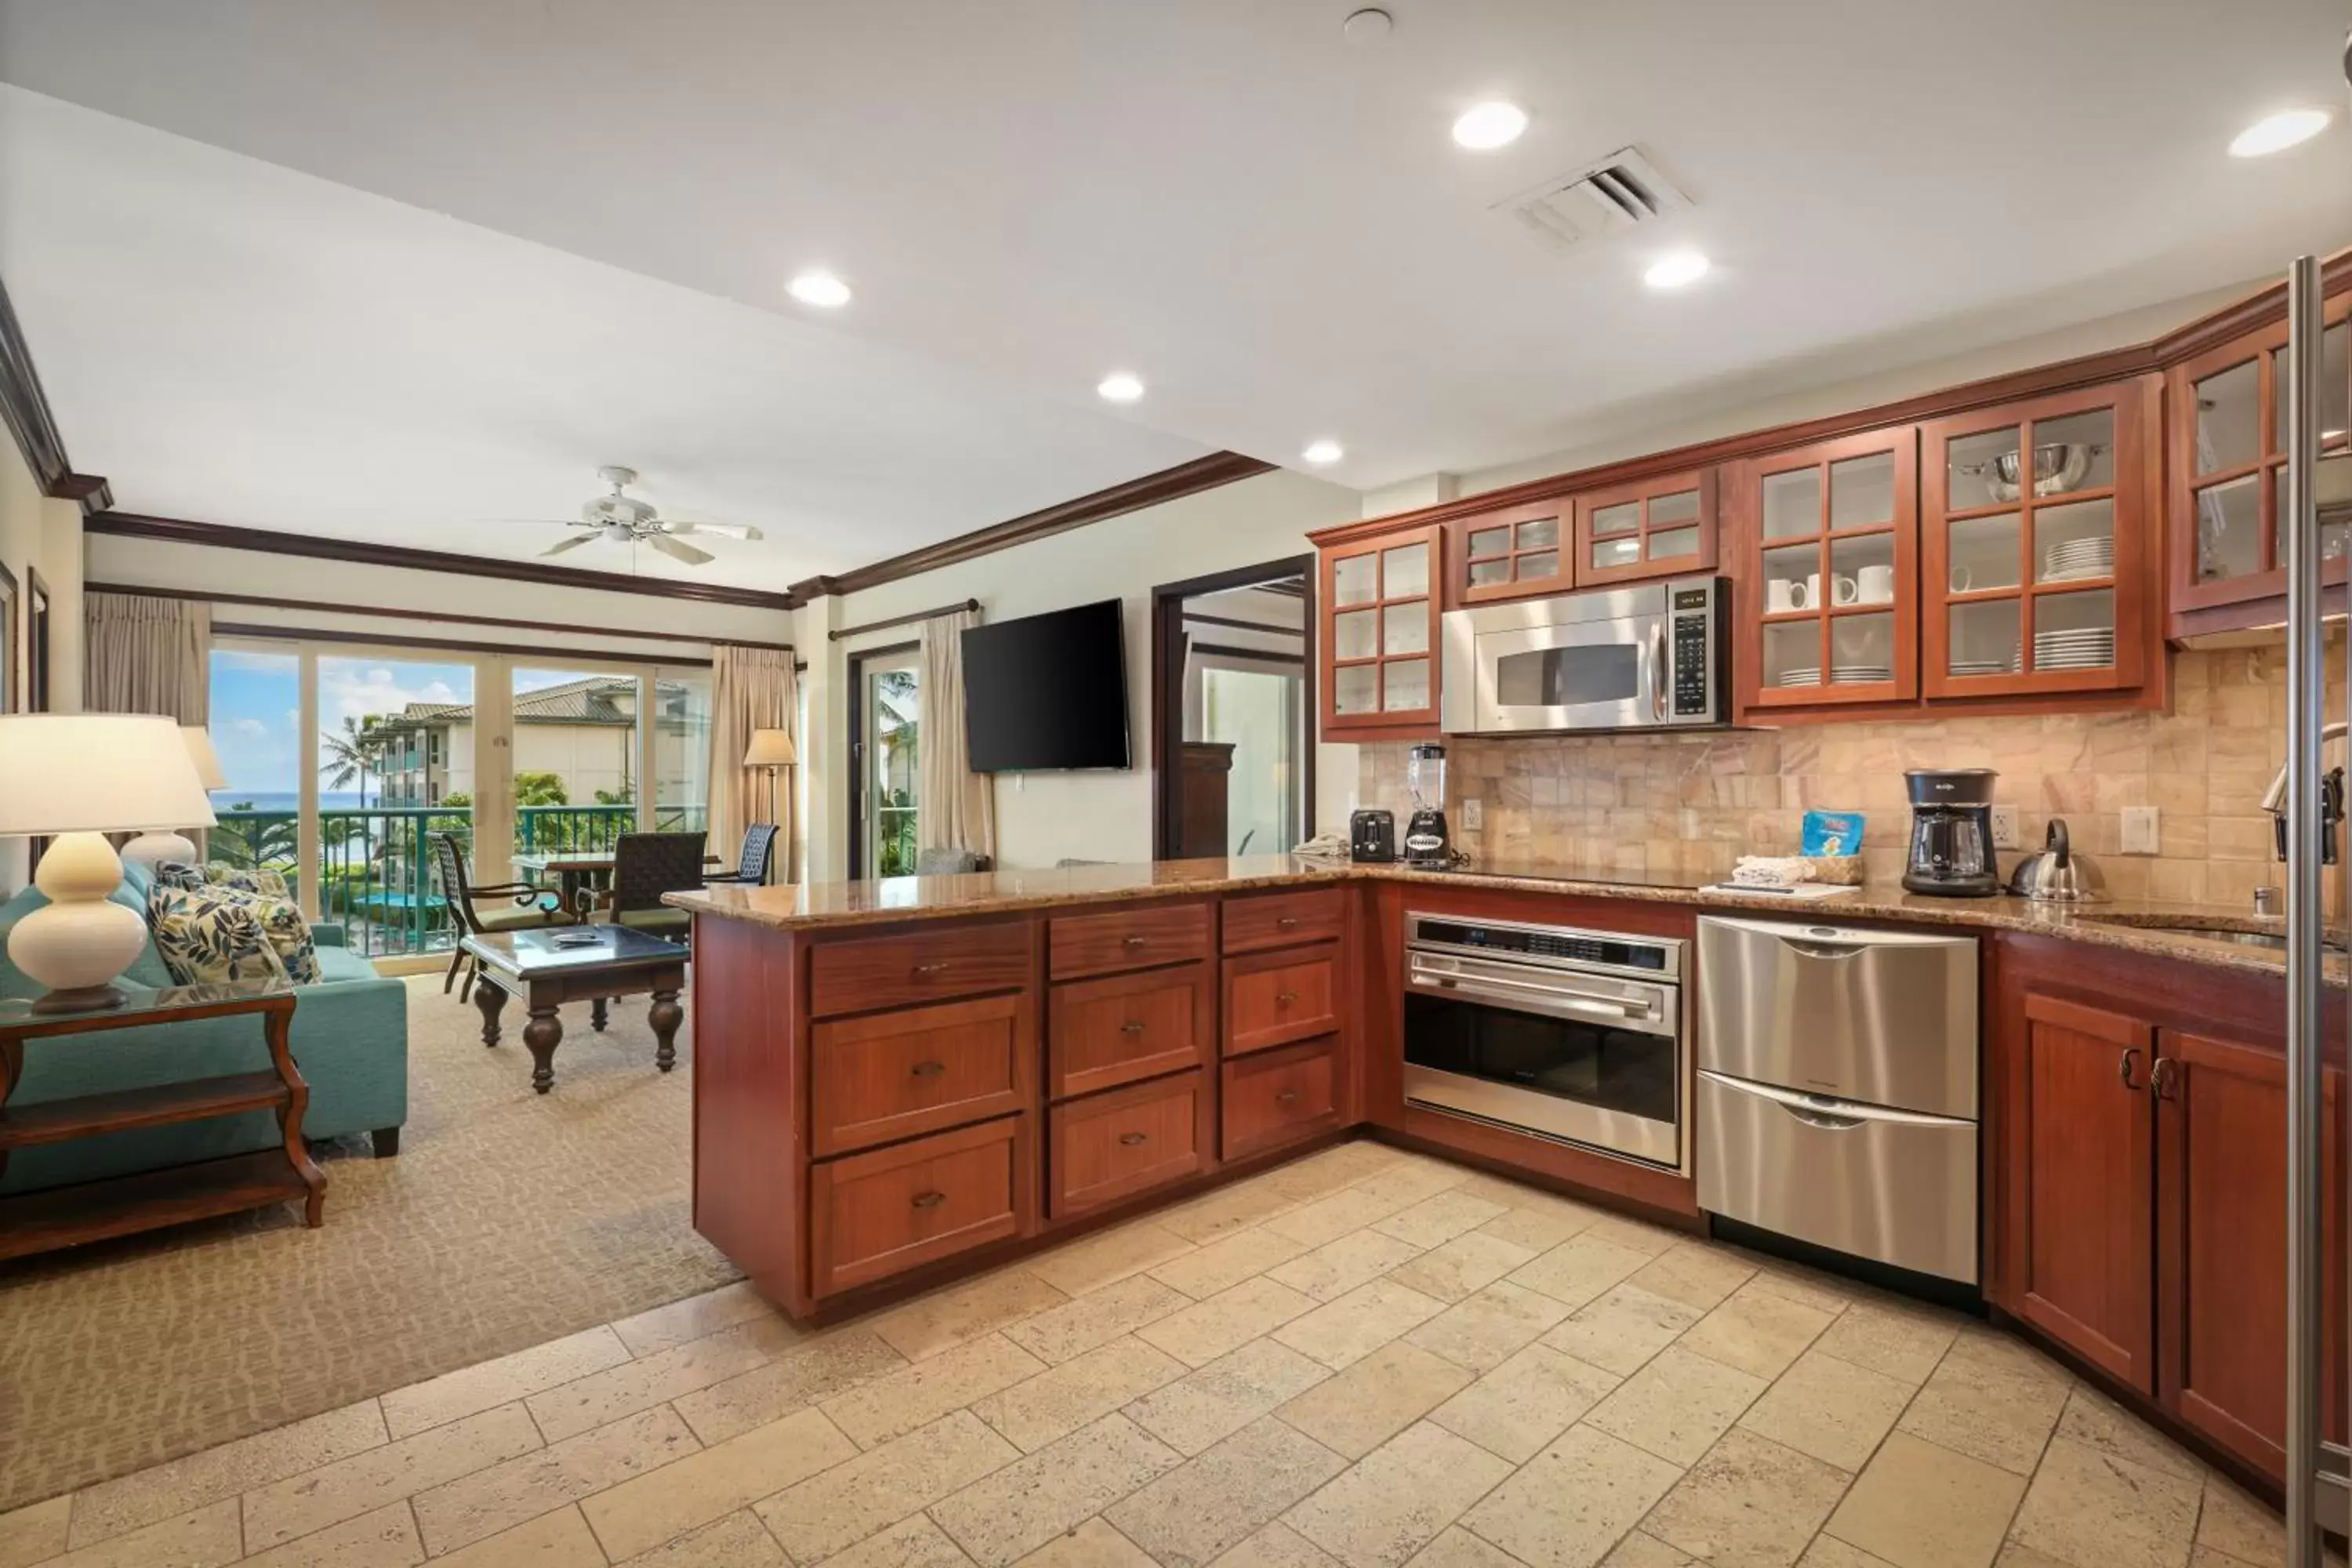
772,751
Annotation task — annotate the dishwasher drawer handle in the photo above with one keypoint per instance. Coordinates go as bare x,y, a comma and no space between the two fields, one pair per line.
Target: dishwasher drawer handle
1830,1115
1823,1120
1825,949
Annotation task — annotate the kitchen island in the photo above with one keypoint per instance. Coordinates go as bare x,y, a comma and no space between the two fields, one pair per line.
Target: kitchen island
900,1083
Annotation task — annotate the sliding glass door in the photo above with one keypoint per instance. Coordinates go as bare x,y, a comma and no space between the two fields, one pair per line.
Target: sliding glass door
884,756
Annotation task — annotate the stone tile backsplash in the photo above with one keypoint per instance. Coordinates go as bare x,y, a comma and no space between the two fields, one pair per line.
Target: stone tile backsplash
1696,803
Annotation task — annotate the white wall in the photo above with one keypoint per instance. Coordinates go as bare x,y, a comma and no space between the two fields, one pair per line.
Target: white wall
1043,818
44,535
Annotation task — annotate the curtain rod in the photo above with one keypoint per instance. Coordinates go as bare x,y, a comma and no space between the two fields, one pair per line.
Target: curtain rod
902,620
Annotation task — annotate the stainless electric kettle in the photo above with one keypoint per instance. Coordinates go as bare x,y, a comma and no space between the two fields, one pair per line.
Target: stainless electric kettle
2056,875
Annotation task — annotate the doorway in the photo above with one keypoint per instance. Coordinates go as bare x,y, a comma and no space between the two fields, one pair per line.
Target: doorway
1232,729
885,721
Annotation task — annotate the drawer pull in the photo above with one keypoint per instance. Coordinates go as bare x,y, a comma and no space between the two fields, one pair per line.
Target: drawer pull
930,1200
939,968
1285,1097
1130,1027
929,1069
1284,998
1286,923
1135,942
1133,1139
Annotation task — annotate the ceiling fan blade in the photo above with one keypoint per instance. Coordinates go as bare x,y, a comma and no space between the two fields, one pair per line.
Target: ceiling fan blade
722,529
574,543
534,521
677,549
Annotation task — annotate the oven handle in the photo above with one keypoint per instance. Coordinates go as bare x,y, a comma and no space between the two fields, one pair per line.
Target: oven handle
1826,1112
1532,997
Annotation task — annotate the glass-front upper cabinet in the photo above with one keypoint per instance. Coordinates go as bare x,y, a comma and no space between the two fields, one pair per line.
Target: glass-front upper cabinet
1513,553
1828,601
1653,528
1380,622
2035,518
2228,421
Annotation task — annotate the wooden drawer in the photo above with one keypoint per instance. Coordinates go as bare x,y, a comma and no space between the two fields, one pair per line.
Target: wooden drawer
1278,920
1126,939
1125,1141
887,1076
1280,1097
889,1210
1274,998
1104,1033
937,964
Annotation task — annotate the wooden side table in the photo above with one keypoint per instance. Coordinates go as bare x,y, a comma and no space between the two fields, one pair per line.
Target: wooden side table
118,1205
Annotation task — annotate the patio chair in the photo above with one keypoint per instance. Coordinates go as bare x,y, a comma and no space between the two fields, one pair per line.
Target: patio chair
949,862
527,911
645,867
759,849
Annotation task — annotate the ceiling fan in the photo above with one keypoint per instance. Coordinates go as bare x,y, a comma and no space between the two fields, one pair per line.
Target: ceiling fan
625,520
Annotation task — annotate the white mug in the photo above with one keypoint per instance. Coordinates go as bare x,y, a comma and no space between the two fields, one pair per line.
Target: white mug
1813,592
1844,591
1961,580
1876,583
1781,595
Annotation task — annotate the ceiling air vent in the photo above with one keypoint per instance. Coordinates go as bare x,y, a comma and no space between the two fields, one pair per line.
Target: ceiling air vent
1622,191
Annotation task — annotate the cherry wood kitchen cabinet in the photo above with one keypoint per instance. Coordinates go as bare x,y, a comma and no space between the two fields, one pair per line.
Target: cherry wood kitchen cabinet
1661,527
1513,553
2045,582
1380,602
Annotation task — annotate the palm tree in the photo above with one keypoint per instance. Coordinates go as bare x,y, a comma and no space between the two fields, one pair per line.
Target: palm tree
354,754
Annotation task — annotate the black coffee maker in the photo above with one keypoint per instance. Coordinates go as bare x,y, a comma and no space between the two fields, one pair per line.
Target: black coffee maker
1951,833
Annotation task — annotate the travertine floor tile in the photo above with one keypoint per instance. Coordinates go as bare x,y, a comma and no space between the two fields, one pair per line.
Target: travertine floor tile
1640,1236
1033,1414
1007,1515
558,1540
1328,1219
1695,1273
642,1513
1903,1342
1919,1506
1336,1268
654,1379
1228,1211
1097,1318
462,1511
1357,1323
1455,1547
366,1481
1621,1329
695,1317
1228,1261
36,1532
2097,1510
1107,1257
1991,1399
2093,1420
1094,1544
915,1543
473,1389
1755,1330
176,1488
384,1538
1829,1552
1358,1410
1540,1229
1190,1515
1678,1405
1825,1291
1438,1219
1276,1546
1750,1503
1395,1500
739,1541
1580,1267
1467,1263
897,1405
205,1538
1523,1404
1488,1329
2236,1524
1409,1178
834,1509
800,1376
945,1319
1200,1333
1640,1550
1834,1410
1568,1505
1225,1396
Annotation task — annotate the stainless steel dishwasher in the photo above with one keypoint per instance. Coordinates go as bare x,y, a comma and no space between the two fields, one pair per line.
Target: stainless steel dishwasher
1837,1088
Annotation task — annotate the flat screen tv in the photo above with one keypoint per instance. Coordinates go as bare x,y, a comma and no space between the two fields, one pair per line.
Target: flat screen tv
1047,691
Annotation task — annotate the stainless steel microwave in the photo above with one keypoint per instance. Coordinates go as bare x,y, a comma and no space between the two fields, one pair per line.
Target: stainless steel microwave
1649,656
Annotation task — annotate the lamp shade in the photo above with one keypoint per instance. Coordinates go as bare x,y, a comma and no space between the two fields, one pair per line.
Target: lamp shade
97,773
200,753
771,748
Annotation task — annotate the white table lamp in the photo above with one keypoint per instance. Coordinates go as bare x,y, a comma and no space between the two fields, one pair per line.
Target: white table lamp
76,777
152,849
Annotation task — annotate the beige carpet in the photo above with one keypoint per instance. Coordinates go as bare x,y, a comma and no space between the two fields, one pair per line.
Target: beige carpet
508,1219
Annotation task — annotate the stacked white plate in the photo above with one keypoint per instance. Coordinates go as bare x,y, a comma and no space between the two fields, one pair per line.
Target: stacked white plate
2074,558
2090,648
1803,675
1860,674
1984,667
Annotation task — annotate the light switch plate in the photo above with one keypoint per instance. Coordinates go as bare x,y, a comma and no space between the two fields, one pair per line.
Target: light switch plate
2139,832
2004,827
1474,814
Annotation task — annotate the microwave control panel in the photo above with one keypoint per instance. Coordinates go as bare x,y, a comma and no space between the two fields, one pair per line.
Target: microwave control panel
1694,627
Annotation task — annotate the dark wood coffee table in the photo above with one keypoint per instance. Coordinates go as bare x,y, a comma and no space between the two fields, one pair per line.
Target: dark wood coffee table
539,969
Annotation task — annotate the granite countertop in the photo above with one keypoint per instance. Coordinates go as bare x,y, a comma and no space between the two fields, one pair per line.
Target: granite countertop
2140,925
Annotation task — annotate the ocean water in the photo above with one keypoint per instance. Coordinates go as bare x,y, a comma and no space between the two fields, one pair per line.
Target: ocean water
287,800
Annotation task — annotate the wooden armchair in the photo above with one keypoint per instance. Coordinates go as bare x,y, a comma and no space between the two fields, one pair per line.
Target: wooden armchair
645,867
531,906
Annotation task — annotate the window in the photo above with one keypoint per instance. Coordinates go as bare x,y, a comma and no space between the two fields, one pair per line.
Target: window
681,764
887,759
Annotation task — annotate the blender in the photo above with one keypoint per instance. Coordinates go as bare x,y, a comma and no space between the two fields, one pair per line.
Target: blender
1427,841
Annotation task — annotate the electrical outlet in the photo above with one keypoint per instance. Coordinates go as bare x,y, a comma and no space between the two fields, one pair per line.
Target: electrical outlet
2004,827
2139,830
1474,814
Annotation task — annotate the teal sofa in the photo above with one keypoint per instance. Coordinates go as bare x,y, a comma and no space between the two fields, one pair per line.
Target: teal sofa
349,1040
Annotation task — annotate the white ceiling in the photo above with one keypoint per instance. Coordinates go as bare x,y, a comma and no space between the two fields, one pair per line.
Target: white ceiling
1269,223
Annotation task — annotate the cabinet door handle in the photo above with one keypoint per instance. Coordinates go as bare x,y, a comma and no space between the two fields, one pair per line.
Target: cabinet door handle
1130,1027
1286,923
929,1069
1134,1139
929,1200
931,968
1134,941
2123,1067
1285,1097
2164,1079
1284,998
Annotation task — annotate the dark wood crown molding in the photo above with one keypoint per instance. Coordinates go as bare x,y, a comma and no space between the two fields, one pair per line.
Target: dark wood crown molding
25,407
268,541
1133,495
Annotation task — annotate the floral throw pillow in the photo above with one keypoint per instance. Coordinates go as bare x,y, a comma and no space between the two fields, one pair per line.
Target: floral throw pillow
208,934
175,874
255,879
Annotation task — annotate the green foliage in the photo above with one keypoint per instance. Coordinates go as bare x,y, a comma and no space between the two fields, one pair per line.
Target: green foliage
356,753
541,789
459,799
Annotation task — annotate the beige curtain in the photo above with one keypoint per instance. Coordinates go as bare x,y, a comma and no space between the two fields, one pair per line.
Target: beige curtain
751,689
956,807
148,655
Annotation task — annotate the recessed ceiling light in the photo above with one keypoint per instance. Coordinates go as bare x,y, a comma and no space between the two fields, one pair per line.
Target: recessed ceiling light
1674,270
1489,126
821,289
2279,133
1324,451
1119,387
